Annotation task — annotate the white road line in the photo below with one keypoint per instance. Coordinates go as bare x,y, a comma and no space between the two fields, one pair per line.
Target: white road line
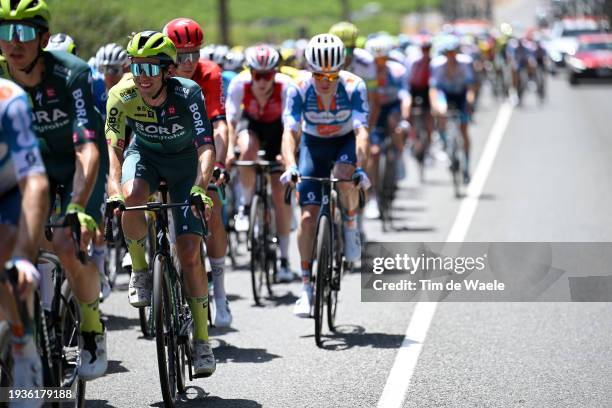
410,349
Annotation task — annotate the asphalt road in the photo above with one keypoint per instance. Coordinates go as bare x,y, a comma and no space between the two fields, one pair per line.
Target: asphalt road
548,183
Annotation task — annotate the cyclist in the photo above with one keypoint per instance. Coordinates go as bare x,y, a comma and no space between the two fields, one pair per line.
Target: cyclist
187,36
261,93
112,63
62,42
520,56
171,138
391,90
24,204
332,107
419,73
452,82
69,129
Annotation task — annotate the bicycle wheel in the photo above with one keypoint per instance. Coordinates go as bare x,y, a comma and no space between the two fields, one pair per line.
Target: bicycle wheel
6,360
336,271
258,248
68,334
165,338
271,246
145,314
388,185
185,322
321,267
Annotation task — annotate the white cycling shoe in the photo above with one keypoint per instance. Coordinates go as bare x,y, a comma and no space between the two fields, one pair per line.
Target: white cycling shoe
204,364
223,314
94,361
303,304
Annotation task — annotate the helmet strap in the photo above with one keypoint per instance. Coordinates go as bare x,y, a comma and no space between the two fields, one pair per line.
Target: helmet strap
32,65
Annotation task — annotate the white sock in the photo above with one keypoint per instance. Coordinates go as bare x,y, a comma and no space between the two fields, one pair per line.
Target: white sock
98,256
217,265
247,195
283,243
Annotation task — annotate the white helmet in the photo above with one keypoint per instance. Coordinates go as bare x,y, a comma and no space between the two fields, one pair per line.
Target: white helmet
233,61
111,54
262,57
219,55
379,46
207,52
325,53
61,42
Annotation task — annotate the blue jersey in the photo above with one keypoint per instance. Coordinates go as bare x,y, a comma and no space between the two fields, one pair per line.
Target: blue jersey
19,154
227,77
458,81
99,91
392,83
348,109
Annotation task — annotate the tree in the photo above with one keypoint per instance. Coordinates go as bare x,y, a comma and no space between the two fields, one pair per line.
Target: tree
224,22
345,8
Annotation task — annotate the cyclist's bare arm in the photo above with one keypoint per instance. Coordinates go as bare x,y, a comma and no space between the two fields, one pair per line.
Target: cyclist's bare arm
206,163
87,165
115,156
362,145
34,209
289,146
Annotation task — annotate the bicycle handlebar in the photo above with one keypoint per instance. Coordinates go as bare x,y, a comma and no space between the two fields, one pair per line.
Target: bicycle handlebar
70,221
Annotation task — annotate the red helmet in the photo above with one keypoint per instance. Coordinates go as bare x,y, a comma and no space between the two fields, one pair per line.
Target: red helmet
261,57
184,33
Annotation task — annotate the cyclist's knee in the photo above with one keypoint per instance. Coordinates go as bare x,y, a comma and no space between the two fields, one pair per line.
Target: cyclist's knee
136,192
308,220
188,250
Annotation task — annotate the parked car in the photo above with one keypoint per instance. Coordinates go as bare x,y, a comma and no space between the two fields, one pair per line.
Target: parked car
593,58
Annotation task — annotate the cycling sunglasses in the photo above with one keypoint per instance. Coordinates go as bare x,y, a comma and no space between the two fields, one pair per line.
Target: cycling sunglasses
184,57
113,70
262,76
23,33
326,76
145,68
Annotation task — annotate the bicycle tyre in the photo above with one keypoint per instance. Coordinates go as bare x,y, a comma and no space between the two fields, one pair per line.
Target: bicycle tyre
69,334
321,271
258,250
6,360
164,333
271,250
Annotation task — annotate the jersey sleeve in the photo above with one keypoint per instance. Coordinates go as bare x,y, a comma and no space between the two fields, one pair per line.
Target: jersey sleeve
115,126
359,105
235,94
212,87
87,117
17,126
292,112
202,129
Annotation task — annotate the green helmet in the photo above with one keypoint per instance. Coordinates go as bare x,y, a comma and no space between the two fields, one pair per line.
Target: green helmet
347,33
35,11
152,44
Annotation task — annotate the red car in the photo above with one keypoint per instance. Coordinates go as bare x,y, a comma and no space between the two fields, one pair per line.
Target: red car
593,58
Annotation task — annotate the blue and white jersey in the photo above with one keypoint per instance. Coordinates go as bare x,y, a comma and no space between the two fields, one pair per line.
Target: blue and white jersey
456,83
19,154
348,109
392,84
98,88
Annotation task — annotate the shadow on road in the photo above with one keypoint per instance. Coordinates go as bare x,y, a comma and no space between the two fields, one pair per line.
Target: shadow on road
115,367
349,336
98,404
197,397
227,353
114,322
285,300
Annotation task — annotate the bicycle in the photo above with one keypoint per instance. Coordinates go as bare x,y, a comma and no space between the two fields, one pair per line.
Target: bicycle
328,266
387,181
455,149
262,240
57,331
420,147
172,320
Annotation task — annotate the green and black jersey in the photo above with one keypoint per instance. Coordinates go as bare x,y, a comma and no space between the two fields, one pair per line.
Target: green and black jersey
64,113
179,124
